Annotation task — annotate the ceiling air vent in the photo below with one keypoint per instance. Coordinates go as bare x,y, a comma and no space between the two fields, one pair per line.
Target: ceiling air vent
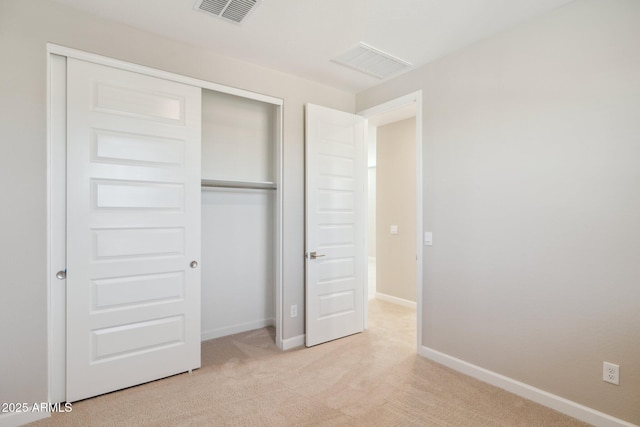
372,61
232,10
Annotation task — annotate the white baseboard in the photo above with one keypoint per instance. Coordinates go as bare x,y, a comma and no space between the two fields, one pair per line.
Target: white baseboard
235,329
396,300
15,419
560,404
294,342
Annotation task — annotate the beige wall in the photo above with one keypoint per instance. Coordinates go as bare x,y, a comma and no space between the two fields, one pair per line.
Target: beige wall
396,204
371,215
531,185
25,28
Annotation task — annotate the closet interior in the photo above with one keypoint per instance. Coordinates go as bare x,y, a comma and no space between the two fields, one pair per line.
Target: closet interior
240,198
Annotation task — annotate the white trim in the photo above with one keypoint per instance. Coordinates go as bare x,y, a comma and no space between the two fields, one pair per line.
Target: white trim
235,329
396,300
394,104
56,225
414,97
103,60
560,404
364,217
419,216
279,228
49,238
16,419
294,342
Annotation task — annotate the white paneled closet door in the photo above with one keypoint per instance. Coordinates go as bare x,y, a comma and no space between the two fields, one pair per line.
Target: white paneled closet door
133,218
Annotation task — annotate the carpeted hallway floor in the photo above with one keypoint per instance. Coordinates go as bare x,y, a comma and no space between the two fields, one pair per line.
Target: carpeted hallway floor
369,379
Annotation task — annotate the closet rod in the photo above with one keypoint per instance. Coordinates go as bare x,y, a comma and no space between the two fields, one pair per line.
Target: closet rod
253,185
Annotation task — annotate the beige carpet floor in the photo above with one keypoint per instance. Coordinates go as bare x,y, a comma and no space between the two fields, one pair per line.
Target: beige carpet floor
369,379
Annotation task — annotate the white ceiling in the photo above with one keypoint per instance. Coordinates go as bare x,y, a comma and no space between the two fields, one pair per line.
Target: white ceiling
301,36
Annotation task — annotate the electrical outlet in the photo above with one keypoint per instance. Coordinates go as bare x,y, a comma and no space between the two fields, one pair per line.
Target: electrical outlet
294,310
611,373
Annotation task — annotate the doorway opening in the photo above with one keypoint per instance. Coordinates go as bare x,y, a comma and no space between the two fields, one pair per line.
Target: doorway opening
394,207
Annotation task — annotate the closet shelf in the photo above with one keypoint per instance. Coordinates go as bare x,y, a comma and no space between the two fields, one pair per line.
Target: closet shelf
254,185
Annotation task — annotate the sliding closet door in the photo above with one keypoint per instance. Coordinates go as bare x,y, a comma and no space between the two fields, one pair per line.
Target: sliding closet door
133,221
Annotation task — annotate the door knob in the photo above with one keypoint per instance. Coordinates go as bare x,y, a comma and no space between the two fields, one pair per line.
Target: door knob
193,264
62,274
314,255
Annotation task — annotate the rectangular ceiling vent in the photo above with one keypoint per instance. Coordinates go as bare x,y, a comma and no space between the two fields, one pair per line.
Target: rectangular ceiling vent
231,10
372,61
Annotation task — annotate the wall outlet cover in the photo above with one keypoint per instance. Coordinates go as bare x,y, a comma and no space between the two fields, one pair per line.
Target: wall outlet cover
611,373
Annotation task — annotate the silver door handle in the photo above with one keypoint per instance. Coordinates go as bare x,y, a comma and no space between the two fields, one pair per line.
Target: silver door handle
314,255
193,264
62,274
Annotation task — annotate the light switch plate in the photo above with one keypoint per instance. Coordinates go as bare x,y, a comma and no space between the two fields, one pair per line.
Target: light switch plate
428,238
394,229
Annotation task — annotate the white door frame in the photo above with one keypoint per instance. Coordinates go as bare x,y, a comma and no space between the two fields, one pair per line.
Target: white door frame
386,107
56,195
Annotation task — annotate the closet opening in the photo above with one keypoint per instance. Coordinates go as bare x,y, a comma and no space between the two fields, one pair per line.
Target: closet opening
239,210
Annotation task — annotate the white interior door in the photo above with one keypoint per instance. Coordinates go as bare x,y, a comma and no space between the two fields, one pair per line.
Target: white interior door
335,224
133,229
